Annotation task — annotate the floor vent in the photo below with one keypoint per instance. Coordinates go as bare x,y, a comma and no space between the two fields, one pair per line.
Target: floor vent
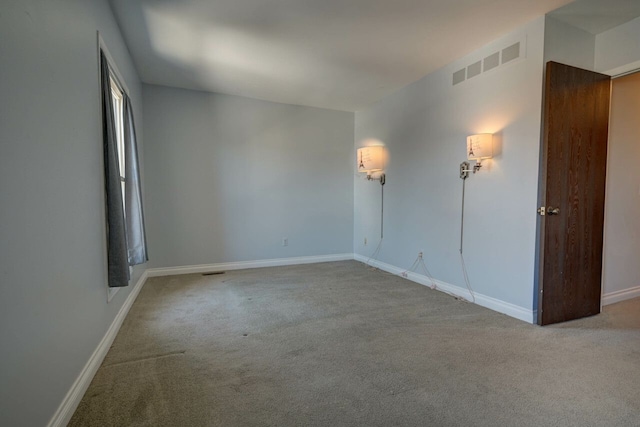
501,57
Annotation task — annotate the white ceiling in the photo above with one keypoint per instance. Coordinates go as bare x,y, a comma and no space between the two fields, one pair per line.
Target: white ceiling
337,54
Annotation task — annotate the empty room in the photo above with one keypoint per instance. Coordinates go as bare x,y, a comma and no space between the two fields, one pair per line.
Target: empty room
319,213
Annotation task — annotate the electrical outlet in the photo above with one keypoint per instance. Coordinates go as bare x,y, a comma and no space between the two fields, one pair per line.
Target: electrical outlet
285,241
420,254
404,274
365,241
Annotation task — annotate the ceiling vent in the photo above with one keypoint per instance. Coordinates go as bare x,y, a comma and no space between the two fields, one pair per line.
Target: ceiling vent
493,61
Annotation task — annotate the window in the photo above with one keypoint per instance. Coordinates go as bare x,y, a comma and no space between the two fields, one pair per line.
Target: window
117,99
126,241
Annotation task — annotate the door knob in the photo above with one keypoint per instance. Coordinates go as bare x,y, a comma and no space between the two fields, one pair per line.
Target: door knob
553,211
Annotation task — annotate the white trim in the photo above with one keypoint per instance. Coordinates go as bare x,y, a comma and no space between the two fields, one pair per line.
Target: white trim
240,265
623,70
617,296
494,304
112,64
71,401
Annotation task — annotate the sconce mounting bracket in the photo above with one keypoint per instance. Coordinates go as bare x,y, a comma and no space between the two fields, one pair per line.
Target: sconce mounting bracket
382,178
464,170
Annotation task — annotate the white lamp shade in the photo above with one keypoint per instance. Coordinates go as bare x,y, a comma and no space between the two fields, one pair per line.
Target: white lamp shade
480,146
370,159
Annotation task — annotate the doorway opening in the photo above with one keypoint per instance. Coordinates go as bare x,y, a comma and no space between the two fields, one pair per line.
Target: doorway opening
621,270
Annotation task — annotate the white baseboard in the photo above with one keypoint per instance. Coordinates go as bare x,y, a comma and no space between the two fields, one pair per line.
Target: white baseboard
240,265
491,303
71,401
617,296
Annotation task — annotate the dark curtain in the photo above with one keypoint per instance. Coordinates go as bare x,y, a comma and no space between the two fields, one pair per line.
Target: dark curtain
117,255
136,238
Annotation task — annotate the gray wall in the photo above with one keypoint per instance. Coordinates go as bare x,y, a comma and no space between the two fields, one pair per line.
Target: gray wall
618,49
229,177
53,297
424,127
568,45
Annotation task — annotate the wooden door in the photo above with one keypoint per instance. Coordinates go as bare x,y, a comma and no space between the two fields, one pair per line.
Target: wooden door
572,189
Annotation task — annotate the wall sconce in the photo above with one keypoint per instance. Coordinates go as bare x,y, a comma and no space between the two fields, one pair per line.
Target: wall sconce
479,147
371,159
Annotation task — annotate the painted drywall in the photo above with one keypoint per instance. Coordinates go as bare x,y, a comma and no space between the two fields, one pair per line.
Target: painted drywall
568,45
53,277
622,205
424,127
229,177
618,49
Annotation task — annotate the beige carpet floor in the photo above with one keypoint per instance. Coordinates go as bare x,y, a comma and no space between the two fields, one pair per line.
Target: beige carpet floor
340,344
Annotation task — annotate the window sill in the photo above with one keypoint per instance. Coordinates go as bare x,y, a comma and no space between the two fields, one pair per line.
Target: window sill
111,292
